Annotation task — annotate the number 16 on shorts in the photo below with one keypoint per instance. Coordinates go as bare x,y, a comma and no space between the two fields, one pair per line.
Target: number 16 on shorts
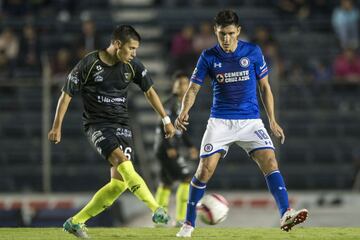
263,136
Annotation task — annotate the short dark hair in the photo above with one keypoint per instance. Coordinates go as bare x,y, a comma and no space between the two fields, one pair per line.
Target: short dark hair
124,33
225,18
179,74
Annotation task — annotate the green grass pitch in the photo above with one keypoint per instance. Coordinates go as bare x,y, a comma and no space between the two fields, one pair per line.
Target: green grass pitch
318,233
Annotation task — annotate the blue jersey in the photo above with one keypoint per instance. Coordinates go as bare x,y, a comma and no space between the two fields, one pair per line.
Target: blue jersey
234,78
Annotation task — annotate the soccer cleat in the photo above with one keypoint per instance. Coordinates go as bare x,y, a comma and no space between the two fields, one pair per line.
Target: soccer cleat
292,217
185,230
78,230
160,216
179,223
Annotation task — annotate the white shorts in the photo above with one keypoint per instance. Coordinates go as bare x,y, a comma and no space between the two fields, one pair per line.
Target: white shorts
250,134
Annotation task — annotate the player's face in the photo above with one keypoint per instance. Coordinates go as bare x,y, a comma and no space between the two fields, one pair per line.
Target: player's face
127,51
180,86
227,37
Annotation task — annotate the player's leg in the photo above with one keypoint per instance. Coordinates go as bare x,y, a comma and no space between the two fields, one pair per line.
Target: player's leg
254,138
182,197
203,173
214,145
173,170
162,195
103,198
265,159
267,162
104,141
163,191
137,185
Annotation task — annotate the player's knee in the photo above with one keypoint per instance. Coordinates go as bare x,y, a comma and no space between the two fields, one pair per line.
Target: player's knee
205,172
115,159
268,164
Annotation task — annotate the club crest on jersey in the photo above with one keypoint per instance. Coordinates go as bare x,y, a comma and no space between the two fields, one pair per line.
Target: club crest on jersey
208,147
220,78
217,65
127,76
244,62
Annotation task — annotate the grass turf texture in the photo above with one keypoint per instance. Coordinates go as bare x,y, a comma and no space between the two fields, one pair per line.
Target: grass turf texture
169,233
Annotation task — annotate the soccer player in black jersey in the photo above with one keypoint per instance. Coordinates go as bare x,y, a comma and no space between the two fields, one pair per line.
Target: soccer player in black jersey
102,79
174,154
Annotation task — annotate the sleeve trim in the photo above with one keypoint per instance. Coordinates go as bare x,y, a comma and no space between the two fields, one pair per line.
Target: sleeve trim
132,69
92,66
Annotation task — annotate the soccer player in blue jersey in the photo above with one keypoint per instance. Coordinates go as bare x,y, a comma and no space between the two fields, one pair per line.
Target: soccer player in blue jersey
235,68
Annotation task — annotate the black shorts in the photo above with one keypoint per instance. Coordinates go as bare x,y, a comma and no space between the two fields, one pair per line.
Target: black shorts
173,169
106,138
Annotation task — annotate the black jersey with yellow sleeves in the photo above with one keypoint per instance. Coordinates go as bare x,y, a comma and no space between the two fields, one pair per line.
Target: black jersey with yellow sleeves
104,88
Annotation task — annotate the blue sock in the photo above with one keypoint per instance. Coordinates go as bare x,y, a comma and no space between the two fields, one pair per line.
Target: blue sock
196,192
276,186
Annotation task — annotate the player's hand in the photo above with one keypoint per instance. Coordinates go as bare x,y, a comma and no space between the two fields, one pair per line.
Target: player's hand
278,131
169,130
194,153
171,153
54,135
182,121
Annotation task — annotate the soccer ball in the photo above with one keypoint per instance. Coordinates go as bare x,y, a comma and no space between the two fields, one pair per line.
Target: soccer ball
212,209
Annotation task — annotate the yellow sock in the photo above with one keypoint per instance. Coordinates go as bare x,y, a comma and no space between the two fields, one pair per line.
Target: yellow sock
137,185
182,196
162,196
101,200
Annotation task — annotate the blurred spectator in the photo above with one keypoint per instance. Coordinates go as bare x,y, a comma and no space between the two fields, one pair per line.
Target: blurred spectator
297,13
262,36
269,46
205,38
60,67
356,162
181,49
347,67
15,7
345,21
182,42
9,45
320,9
88,40
273,60
321,74
30,49
297,76
4,73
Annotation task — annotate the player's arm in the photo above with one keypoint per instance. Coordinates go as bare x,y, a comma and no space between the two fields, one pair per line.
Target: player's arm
187,103
62,106
268,101
155,102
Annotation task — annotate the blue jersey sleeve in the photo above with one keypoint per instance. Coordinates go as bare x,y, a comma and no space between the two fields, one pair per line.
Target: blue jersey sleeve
261,68
200,71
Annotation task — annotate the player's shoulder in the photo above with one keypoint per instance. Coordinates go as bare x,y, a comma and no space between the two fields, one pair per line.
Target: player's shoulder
251,48
136,62
249,45
90,58
210,51
209,54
